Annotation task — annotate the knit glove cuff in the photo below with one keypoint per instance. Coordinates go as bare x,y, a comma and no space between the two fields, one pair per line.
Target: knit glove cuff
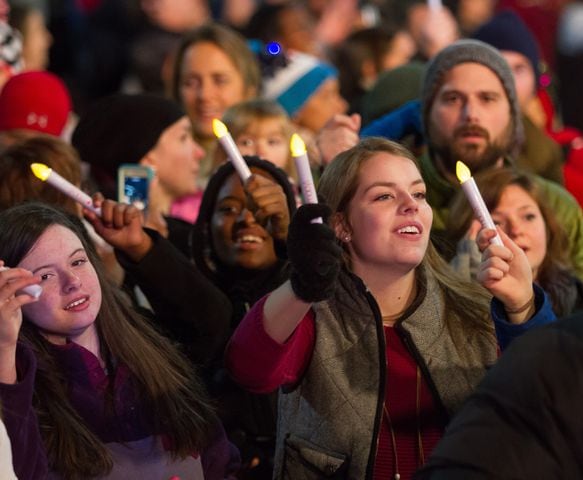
314,254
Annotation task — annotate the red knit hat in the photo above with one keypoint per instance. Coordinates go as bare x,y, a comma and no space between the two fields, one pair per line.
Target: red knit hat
35,101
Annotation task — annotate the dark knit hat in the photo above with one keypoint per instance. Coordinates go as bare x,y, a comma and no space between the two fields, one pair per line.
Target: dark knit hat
471,51
392,89
122,128
507,31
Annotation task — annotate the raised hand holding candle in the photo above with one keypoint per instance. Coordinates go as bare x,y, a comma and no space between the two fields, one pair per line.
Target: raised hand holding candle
298,150
48,175
475,198
228,144
32,290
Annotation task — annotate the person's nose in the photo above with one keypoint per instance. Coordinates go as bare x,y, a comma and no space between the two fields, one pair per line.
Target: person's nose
71,281
409,204
246,216
205,89
513,228
342,105
470,111
198,152
261,150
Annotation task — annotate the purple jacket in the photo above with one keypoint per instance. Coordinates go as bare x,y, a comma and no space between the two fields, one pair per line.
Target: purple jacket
87,386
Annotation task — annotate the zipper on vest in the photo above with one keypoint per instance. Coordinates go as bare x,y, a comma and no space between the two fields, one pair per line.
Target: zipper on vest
382,381
408,341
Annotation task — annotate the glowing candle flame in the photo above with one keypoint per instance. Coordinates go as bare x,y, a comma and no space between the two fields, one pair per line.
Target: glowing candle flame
41,171
462,171
297,145
219,128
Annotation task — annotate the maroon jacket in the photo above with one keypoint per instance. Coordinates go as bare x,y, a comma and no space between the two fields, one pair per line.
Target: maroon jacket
87,388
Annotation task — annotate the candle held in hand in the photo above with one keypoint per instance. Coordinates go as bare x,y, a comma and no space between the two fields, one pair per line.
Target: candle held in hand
298,151
48,175
475,198
32,290
228,144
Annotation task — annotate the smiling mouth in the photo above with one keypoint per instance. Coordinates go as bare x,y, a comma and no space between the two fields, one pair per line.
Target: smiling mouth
249,240
409,230
76,303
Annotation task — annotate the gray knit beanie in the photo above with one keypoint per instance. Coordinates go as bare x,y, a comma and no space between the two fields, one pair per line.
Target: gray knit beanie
465,51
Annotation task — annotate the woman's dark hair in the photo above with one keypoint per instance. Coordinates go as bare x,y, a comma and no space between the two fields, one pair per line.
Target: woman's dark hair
18,185
163,378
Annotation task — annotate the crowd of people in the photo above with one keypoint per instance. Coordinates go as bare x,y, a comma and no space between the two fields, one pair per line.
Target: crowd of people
227,328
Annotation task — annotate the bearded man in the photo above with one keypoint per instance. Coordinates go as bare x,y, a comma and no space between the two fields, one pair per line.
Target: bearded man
470,113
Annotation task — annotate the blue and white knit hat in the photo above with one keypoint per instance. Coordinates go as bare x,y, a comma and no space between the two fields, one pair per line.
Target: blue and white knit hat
294,84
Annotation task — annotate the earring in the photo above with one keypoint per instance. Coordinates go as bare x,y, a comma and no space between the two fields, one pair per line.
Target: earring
347,238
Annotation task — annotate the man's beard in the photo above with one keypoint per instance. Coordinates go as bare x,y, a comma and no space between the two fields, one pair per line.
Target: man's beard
475,156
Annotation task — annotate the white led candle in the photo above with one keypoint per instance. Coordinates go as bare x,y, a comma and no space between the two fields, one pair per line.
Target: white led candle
32,290
228,144
434,4
475,198
298,151
48,175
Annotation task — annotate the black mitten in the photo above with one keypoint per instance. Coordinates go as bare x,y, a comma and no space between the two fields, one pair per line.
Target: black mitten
314,254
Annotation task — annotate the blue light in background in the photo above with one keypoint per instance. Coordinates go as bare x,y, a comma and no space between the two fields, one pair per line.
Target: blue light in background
273,48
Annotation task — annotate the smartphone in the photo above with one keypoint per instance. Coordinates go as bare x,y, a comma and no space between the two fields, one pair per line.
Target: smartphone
133,182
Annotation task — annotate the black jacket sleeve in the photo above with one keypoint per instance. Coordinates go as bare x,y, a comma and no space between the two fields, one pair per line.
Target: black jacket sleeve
191,309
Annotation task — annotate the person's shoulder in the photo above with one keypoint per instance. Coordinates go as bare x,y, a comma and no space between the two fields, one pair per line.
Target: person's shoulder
544,349
555,192
571,325
564,204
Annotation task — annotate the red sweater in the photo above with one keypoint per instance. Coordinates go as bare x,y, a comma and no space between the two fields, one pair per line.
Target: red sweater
401,400
267,365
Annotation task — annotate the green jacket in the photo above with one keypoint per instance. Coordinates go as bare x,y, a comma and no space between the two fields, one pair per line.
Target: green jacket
440,194
540,154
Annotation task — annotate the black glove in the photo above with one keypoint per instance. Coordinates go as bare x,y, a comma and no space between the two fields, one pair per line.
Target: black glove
314,254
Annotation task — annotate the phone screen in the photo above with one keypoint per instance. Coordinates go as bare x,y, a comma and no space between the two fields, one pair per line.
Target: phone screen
133,185
136,191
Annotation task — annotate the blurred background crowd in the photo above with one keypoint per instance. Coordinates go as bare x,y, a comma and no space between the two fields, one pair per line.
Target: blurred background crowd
89,85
